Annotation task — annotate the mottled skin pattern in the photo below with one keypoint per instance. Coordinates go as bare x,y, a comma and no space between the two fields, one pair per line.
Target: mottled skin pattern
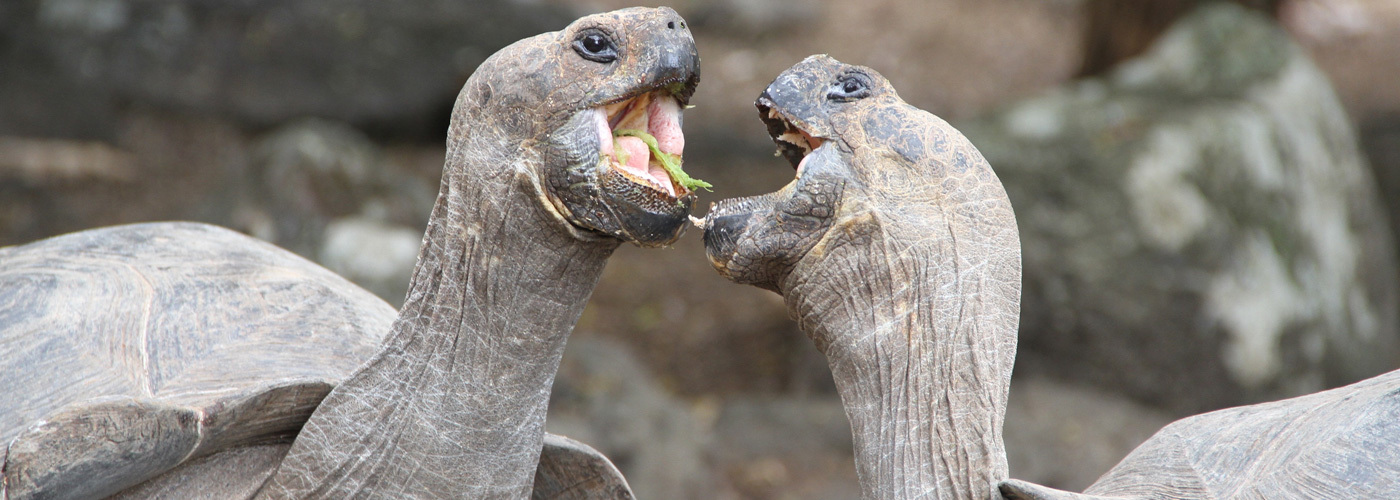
454,406
188,356
1341,443
896,251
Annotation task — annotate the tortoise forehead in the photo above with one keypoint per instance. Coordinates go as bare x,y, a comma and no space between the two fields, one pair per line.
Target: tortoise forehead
543,76
621,20
800,94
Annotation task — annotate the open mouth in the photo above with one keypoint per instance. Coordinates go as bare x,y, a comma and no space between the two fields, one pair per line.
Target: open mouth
641,138
793,142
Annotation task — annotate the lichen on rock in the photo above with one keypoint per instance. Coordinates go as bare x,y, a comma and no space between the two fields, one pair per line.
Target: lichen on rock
1199,227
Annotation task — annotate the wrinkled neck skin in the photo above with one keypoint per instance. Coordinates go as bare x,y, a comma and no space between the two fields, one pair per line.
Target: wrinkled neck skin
454,405
919,328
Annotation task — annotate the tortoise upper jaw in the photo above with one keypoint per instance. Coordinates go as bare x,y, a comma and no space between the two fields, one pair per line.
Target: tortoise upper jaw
794,137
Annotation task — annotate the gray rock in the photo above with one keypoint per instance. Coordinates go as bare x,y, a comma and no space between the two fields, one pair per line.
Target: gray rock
374,254
42,162
313,171
783,446
308,173
1380,139
803,427
1199,228
71,65
756,18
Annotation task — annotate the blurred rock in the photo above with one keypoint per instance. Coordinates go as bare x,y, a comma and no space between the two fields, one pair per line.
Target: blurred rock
604,397
319,165
312,171
72,65
324,190
51,161
157,168
755,426
1198,227
376,255
1381,138
754,18
702,334
1115,31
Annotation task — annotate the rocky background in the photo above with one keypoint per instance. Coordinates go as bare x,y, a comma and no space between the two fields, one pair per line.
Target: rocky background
1206,195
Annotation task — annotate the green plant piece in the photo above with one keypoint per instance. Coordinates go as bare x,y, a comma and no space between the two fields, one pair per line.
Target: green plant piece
670,162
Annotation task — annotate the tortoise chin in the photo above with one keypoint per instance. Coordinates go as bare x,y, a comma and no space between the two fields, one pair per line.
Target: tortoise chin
647,224
727,223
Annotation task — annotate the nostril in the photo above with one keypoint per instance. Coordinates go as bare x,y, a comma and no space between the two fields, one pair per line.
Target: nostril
671,25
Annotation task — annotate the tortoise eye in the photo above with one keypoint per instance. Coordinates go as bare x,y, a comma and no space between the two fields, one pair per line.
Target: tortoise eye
595,47
849,87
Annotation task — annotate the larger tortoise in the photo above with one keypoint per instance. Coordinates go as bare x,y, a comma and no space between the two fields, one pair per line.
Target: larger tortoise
180,354
180,359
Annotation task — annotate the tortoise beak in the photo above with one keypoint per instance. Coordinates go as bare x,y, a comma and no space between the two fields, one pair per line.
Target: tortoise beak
677,61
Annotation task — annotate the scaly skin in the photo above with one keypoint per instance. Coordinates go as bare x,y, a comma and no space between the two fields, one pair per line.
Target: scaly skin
896,251
454,406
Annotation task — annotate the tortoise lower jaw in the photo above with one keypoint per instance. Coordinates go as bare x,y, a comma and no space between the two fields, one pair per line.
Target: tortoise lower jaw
722,239
727,223
653,227
612,205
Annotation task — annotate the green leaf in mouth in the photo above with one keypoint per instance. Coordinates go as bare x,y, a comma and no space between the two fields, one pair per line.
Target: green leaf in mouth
670,162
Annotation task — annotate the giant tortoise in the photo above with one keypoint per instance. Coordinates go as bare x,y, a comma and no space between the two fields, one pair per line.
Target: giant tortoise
179,359
896,250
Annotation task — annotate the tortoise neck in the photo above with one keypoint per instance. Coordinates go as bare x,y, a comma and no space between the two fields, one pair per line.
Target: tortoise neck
456,400
921,348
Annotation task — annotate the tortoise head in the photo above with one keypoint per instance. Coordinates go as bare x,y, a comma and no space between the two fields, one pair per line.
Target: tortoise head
588,117
871,171
895,250
819,113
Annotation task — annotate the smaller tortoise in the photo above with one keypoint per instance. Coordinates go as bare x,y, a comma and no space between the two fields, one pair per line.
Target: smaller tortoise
896,250
191,356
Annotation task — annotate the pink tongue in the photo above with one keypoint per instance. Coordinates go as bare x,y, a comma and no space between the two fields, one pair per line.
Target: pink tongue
664,123
638,159
637,154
